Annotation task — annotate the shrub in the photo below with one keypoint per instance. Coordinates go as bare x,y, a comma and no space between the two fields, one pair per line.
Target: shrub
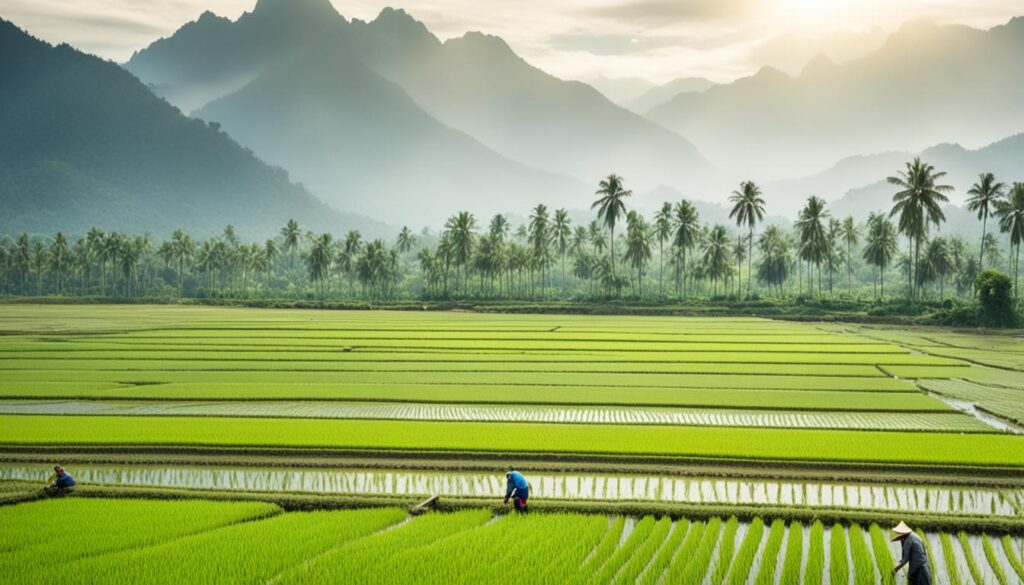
994,295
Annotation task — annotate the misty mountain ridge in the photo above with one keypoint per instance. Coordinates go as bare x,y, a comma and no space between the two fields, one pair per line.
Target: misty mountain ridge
968,86
658,95
83,143
551,136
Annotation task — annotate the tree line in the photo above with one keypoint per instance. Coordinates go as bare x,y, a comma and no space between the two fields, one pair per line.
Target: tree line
620,253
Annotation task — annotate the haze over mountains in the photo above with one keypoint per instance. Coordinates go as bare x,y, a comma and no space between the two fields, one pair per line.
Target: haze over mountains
455,121
383,119
84,143
928,84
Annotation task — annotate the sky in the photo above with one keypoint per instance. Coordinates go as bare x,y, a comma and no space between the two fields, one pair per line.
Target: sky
646,41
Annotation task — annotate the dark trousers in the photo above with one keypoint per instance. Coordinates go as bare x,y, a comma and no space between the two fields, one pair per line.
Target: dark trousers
922,576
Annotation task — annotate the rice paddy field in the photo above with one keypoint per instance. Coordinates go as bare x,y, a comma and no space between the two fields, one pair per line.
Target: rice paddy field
202,542
764,451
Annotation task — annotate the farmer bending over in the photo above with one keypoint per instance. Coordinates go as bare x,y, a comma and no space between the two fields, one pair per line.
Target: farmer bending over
914,554
60,482
518,489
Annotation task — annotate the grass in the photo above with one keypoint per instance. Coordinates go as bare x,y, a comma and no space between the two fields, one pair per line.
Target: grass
628,440
839,560
793,561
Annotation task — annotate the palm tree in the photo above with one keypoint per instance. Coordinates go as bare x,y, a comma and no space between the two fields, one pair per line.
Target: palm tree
776,259
405,240
610,206
291,233
318,261
716,255
983,196
561,234
638,246
937,264
848,232
813,235
182,249
918,204
597,239
461,229
1010,212
747,209
685,225
881,246
60,259
663,231
539,238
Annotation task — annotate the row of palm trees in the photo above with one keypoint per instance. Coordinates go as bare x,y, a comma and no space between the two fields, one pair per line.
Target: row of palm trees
549,256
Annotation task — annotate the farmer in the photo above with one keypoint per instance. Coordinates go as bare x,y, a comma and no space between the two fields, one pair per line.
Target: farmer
914,554
60,482
517,488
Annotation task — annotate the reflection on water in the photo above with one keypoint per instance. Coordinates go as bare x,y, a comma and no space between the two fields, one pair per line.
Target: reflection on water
653,488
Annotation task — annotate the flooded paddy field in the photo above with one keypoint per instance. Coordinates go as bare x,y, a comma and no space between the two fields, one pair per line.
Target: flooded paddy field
926,421
548,485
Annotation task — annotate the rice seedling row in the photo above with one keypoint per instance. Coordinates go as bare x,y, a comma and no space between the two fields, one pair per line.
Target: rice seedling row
1005,402
559,486
626,440
932,418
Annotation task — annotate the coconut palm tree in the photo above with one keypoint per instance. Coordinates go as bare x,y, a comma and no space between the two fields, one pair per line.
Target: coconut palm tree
60,259
318,261
880,246
813,235
405,240
685,228
662,231
462,235
291,234
918,204
983,196
638,246
1010,212
610,207
850,236
561,234
747,210
182,250
716,255
776,258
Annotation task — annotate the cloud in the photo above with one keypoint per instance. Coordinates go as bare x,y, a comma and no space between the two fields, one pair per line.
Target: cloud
667,12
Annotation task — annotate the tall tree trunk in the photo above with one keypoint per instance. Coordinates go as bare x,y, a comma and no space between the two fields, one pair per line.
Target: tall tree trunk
981,253
750,256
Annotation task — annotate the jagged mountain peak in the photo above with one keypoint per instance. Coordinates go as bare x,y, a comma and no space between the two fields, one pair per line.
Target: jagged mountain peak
294,8
820,63
396,21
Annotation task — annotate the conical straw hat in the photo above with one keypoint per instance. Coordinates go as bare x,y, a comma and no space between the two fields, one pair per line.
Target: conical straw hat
901,530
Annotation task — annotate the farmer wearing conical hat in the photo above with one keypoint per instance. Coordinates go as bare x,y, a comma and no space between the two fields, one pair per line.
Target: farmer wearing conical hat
914,554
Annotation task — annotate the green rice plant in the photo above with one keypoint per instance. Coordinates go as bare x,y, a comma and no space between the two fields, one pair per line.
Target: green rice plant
726,548
682,530
949,556
606,546
675,561
839,561
714,442
770,555
250,552
993,561
793,561
883,555
972,564
740,571
46,533
863,563
654,542
1013,557
607,571
372,553
814,570
694,567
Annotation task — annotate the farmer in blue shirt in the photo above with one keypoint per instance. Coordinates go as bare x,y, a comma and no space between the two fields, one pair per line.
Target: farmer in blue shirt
914,554
517,488
59,482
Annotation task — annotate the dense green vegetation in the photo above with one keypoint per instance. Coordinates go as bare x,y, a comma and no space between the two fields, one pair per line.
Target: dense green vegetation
549,258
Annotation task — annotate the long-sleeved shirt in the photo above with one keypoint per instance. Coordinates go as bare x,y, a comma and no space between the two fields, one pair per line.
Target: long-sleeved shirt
914,553
61,480
516,483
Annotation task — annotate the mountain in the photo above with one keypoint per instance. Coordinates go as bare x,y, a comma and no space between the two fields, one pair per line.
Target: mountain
927,84
1005,159
360,140
553,139
658,95
620,90
83,143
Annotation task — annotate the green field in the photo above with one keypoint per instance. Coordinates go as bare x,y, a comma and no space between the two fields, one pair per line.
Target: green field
384,546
